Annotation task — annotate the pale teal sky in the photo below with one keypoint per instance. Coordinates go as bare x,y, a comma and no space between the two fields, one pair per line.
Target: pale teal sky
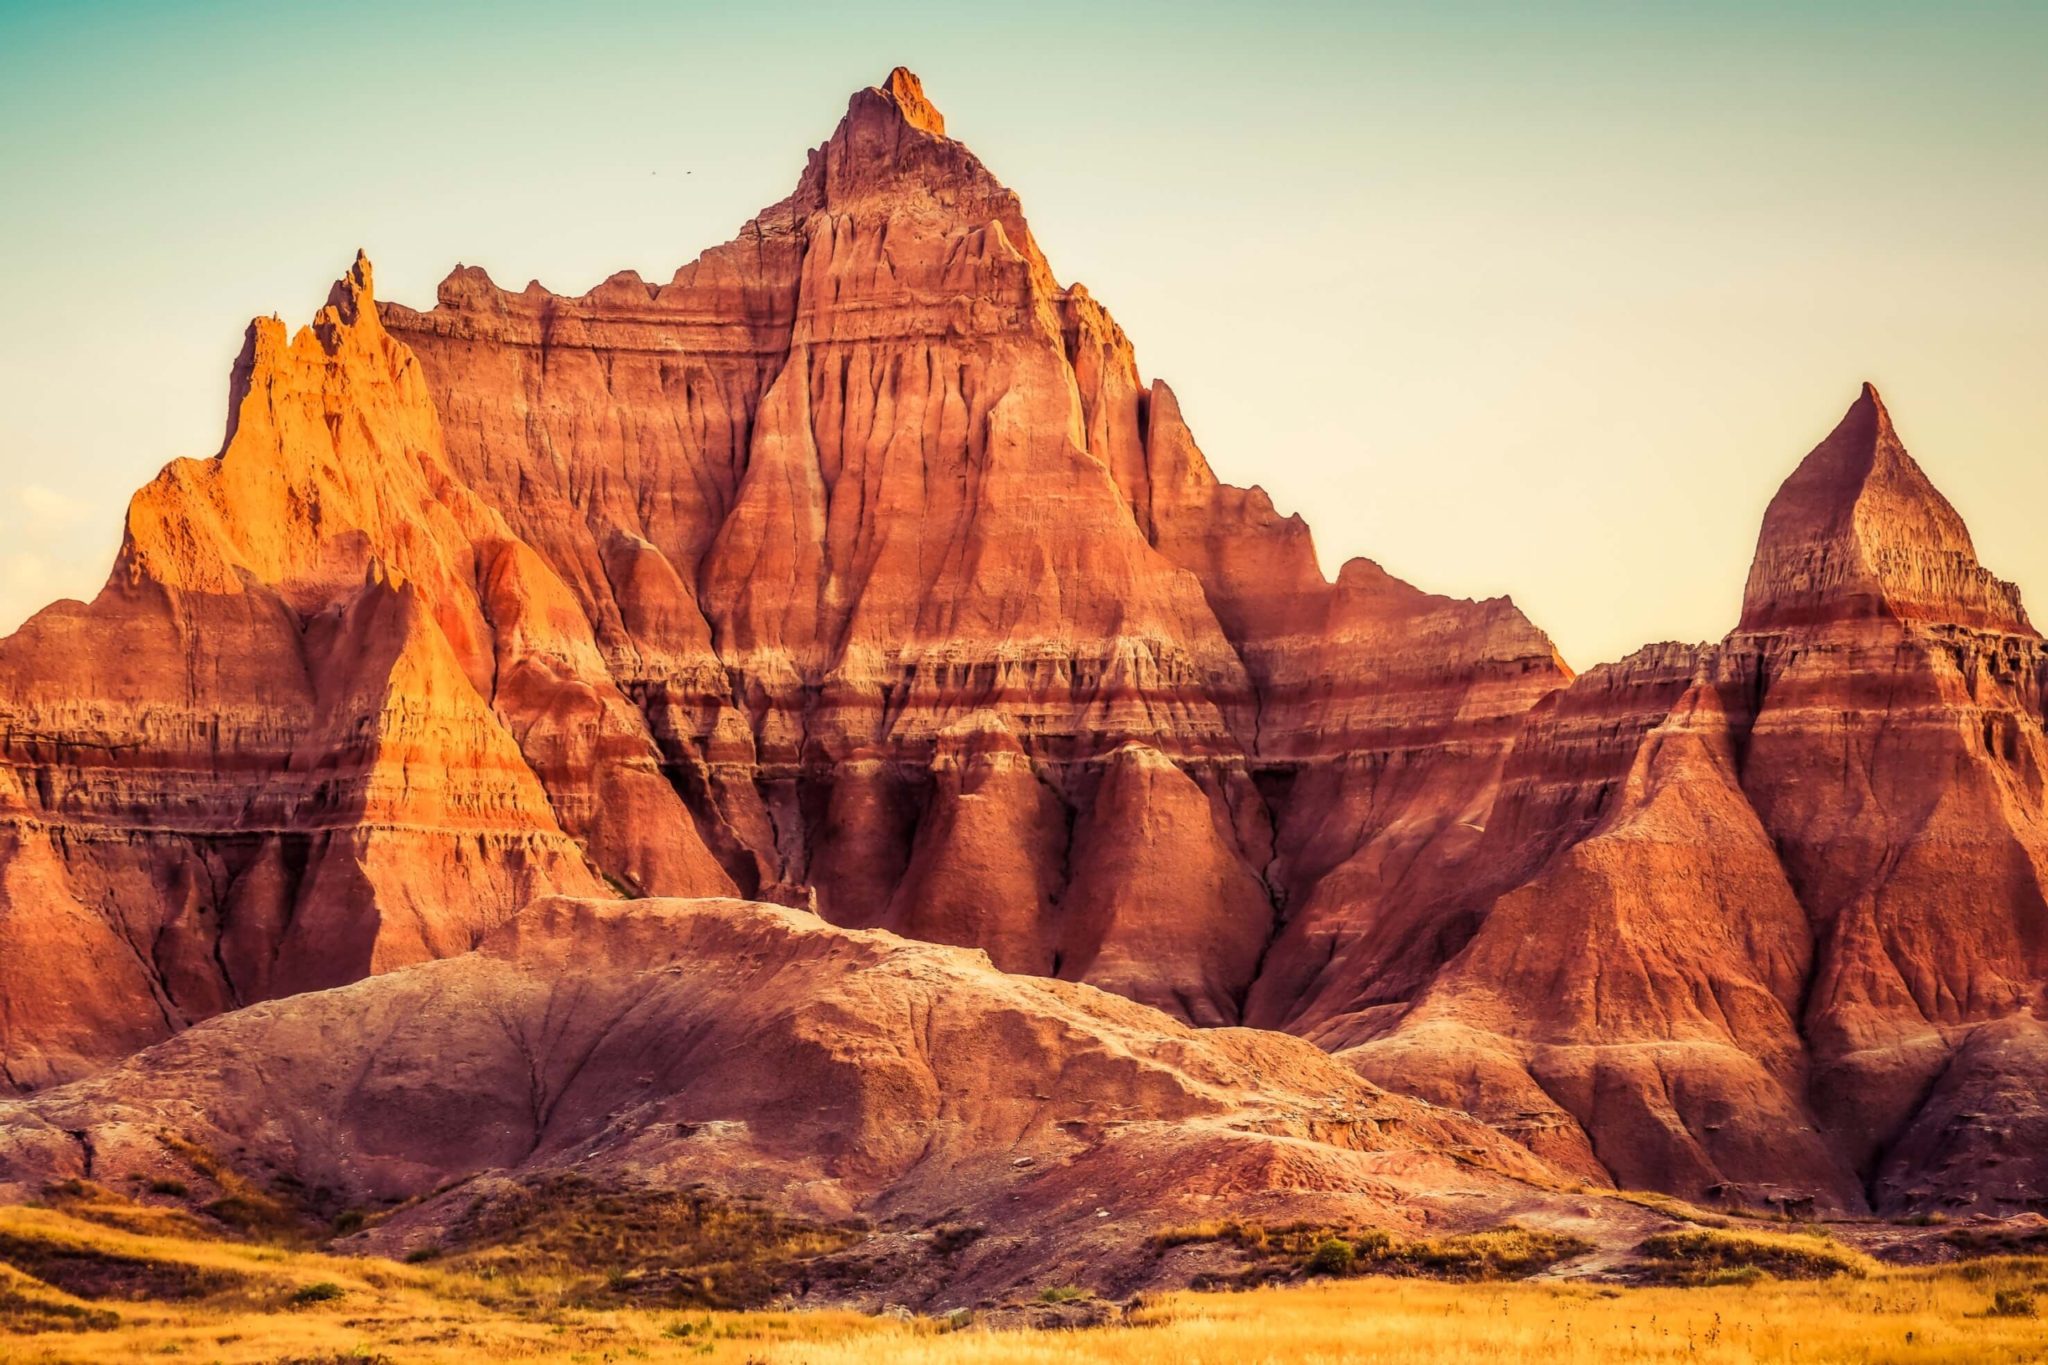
1535,300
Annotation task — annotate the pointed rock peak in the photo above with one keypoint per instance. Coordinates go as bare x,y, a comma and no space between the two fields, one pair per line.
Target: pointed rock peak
352,299
907,92
1163,404
1866,427
353,290
892,150
883,116
1859,531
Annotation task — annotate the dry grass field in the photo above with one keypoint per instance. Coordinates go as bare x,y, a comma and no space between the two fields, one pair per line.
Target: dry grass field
73,1289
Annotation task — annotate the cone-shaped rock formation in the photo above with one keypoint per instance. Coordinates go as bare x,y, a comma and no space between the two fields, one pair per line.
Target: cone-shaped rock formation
1750,915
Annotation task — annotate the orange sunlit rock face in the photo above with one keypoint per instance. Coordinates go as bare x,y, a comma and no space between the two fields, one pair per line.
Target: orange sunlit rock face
328,716
857,568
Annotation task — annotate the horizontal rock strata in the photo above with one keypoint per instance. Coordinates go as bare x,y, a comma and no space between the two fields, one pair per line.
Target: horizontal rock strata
856,568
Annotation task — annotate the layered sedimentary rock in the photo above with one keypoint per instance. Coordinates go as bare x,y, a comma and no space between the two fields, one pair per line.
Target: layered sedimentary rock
753,1051
938,605
1766,919
857,568
327,717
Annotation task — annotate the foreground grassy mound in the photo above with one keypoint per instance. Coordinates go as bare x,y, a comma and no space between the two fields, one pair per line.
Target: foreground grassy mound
1274,1253
116,1295
241,1304
567,1241
1724,1256
29,1306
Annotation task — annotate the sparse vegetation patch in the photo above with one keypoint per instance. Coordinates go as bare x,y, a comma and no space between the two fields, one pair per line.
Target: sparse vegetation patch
2011,1303
242,1205
1505,1252
1995,1240
27,1312
578,1243
447,1314
1697,1256
89,1272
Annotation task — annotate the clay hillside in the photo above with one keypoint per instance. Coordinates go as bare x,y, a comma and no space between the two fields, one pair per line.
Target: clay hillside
526,653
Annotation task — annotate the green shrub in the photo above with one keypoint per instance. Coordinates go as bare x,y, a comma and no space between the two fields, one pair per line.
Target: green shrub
322,1291
1333,1256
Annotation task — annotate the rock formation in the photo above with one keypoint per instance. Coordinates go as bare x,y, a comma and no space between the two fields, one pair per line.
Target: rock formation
939,611
856,568
756,1052
1766,920
853,568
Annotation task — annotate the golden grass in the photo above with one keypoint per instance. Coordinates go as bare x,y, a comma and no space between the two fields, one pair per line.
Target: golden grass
241,1205
272,1304
1911,1318
268,1304
95,1203
1670,1206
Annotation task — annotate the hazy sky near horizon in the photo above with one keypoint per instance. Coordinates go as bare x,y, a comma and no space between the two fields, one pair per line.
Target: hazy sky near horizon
1536,300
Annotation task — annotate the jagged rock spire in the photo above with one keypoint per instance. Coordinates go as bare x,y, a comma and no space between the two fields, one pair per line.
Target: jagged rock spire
907,92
